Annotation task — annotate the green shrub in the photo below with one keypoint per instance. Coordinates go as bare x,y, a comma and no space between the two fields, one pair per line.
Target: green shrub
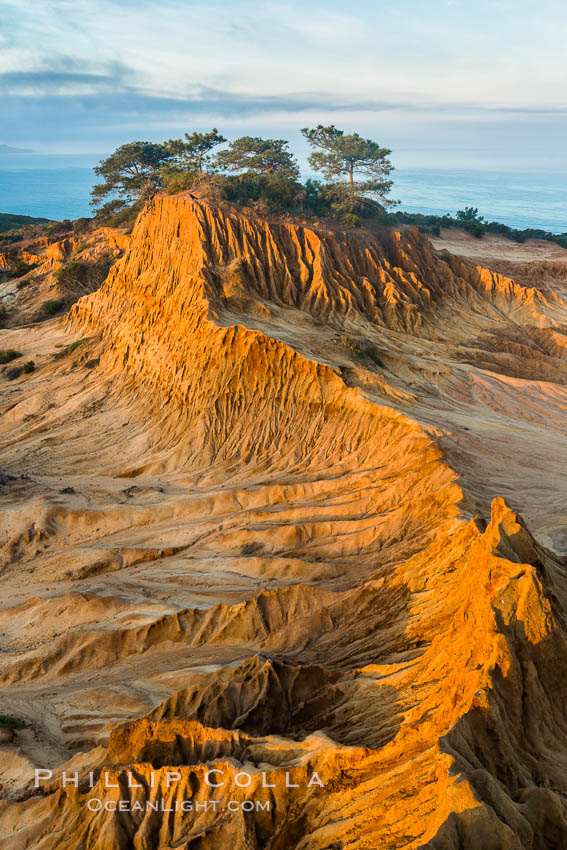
9,354
55,228
119,216
362,350
74,345
79,277
476,229
8,722
90,364
469,214
29,366
3,315
278,194
178,181
21,269
350,219
430,229
469,220
374,355
81,225
52,307
211,187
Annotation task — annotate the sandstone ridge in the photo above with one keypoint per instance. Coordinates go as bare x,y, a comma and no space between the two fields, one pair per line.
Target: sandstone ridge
265,534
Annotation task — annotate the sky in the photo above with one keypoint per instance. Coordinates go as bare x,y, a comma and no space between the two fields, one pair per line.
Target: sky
440,82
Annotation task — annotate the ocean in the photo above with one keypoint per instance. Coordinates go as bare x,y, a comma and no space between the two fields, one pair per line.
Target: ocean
58,186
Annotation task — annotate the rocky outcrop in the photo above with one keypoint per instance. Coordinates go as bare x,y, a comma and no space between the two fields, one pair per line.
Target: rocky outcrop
273,562
45,256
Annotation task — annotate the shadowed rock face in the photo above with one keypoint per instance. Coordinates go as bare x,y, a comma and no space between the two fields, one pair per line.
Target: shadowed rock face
261,531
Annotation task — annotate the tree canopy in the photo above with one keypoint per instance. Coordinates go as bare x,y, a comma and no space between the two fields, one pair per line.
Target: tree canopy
355,167
194,154
260,173
253,155
132,172
469,214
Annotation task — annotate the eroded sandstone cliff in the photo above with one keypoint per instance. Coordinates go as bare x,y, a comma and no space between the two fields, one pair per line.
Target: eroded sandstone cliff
271,529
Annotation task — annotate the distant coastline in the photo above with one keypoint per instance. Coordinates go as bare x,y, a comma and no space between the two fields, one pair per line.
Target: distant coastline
8,221
6,149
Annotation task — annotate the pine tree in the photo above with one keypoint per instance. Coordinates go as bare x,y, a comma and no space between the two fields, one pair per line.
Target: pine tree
355,167
132,172
263,157
194,154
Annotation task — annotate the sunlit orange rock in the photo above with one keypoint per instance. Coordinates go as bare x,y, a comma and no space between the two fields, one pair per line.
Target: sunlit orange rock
276,572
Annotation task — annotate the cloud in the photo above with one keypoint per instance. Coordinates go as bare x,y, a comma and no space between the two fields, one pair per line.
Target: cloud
382,49
112,90
111,70
51,80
